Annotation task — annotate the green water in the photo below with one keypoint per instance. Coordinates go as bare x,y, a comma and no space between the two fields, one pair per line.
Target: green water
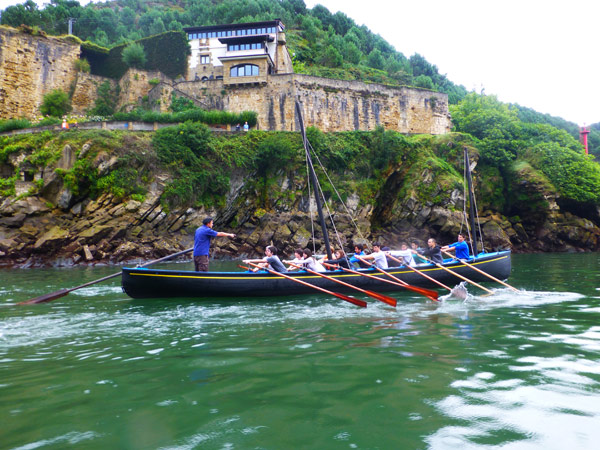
98,370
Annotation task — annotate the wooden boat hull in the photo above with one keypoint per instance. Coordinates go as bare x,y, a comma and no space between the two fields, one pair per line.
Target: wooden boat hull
157,283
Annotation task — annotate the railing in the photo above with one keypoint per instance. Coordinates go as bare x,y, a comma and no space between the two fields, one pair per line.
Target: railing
113,125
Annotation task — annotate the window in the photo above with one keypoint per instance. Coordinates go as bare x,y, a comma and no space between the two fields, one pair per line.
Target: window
237,47
244,70
204,59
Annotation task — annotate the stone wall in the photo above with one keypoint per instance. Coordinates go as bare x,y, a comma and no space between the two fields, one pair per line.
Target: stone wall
331,105
135,85
86,92
31,67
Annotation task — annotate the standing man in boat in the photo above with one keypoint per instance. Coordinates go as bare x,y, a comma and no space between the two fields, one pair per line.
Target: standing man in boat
202,239
461,248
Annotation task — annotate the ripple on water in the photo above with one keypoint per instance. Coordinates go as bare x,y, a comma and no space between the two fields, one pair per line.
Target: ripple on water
72,438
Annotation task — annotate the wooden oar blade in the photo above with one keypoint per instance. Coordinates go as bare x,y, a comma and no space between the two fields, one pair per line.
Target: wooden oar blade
432,295
382,298
46,297
356,301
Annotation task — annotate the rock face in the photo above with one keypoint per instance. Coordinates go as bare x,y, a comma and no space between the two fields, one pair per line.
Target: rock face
31,67
108,230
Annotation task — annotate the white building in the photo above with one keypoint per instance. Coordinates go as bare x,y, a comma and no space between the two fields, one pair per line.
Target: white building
238,54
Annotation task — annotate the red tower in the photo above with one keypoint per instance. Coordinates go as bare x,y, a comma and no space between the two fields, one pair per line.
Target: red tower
583,134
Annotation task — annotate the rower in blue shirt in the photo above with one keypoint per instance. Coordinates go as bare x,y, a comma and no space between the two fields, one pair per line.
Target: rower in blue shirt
358,251
461,248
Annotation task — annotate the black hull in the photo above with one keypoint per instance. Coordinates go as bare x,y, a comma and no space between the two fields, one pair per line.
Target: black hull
151,283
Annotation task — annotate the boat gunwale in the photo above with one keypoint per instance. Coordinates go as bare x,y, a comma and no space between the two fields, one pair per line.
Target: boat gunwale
300,274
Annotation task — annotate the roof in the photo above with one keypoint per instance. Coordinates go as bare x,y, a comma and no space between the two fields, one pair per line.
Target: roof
236,26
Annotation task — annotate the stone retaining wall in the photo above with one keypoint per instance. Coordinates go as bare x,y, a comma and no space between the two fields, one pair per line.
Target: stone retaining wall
331,105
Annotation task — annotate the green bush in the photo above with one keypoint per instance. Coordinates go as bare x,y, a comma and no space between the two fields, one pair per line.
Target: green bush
122,183
48,121
194,114
14,124
134,55
106,100
56,104
198,174
82,65
7,186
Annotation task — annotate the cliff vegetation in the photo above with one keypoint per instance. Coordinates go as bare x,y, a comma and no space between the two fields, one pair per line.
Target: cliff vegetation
107,196
321,43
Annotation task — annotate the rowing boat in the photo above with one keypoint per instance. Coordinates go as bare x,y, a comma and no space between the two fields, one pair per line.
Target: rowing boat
160,283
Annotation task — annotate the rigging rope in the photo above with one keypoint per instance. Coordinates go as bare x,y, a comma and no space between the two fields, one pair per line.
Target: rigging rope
337,193
465,217
310,205
320,191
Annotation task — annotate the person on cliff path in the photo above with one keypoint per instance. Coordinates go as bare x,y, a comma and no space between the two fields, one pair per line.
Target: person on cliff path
246,127
202,239
461,248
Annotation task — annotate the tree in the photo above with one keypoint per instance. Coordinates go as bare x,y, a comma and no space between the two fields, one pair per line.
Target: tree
375,60
157,27
134,55
350,52
423,81
55,104
331,57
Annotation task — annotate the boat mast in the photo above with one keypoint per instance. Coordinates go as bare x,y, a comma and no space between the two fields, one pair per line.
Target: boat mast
313,180
471,201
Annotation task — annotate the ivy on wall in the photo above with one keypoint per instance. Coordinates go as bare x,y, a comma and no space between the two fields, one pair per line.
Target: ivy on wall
165,52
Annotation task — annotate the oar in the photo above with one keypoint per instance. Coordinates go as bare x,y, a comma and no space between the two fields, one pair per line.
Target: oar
347,298
482,272
432,295
382,298
455,274
61,293
420,273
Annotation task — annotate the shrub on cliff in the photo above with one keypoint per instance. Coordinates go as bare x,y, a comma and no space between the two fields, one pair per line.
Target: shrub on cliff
13,124
105,101
199,176
82,65
55,104
134,55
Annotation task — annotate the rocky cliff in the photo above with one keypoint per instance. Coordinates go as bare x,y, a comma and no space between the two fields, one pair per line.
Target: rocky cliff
52,220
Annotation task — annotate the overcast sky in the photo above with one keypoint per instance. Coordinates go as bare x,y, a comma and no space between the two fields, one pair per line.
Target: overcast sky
537,53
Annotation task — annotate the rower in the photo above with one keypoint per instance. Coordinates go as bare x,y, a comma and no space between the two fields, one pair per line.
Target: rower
460,247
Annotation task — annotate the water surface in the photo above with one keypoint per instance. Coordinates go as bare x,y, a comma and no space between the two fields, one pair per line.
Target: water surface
96,369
